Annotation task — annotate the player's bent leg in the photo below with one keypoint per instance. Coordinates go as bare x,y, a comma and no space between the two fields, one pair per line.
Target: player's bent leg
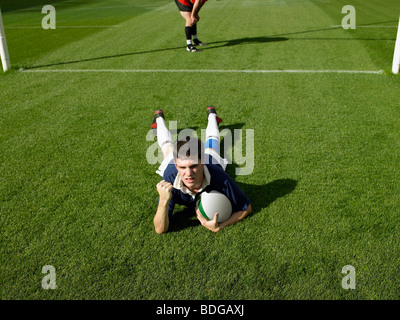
187,15
164,137
196,40
164,164
167,150
213,157
212,130
212,144
211,147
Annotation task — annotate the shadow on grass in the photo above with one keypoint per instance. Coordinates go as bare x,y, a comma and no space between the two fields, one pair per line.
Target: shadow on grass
230,43
247,40
331,29
220,44
261,196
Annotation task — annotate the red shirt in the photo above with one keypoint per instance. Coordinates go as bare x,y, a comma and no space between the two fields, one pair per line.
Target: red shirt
189,3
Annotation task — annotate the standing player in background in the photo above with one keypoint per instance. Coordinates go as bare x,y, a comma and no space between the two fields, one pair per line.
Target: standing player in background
189,10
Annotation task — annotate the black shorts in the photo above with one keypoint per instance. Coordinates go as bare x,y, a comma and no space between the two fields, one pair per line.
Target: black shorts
184,8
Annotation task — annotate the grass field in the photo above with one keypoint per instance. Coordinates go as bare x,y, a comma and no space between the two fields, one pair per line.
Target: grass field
77,193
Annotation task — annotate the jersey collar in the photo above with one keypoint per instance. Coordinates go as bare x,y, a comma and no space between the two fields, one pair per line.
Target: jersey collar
178,184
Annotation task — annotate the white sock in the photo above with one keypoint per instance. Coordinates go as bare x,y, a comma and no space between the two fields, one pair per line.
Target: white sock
188,42
164,137
212,131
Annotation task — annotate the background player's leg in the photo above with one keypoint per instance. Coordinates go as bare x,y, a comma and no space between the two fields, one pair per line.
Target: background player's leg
196,40
194,34
188,31
188,26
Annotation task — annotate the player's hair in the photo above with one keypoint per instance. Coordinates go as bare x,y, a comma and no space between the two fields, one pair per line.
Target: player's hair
189,147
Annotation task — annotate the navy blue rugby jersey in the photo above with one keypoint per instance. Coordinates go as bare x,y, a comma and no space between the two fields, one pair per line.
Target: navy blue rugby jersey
219,181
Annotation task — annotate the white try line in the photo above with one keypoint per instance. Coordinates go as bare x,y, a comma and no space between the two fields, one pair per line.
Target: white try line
194,71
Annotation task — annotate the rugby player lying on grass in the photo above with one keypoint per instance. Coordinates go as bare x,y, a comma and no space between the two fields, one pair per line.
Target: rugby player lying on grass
184,176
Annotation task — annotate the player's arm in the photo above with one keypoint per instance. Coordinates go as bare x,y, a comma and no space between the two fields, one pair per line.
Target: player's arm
195,11
214,226
161,219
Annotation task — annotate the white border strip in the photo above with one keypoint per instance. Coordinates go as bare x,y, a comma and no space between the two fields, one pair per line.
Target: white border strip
61,27
194,71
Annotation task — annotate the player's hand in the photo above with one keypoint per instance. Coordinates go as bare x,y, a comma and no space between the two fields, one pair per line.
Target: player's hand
195,19
164,189
211,225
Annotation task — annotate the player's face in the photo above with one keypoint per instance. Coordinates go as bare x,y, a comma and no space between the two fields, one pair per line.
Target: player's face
191,172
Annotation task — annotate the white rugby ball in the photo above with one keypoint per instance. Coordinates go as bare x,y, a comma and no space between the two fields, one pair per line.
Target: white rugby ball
213,202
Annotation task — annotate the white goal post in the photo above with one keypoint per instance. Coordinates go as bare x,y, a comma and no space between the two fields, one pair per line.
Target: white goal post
5,58
396,56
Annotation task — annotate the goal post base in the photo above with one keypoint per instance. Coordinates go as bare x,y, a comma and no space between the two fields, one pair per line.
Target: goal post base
396,56
5,58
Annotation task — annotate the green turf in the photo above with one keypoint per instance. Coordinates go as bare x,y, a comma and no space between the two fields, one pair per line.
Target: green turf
77,193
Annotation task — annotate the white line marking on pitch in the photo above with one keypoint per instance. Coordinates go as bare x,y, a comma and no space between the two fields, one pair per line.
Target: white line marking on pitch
195,71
